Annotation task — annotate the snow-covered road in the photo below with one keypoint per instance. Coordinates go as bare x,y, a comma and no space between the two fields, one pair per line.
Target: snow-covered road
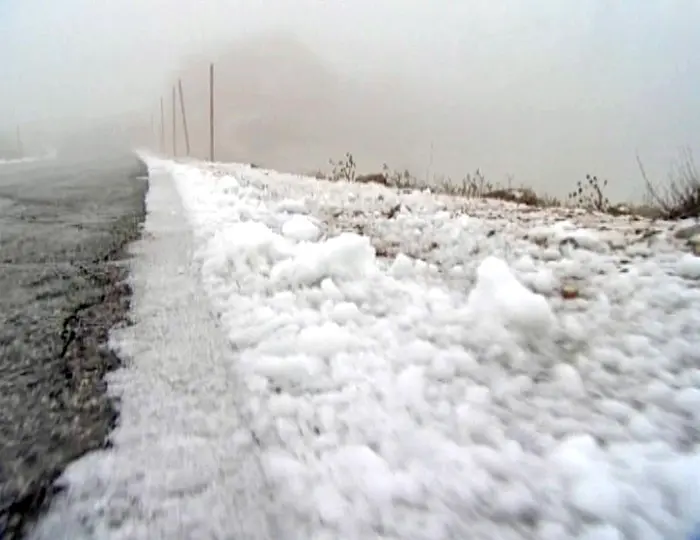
399,366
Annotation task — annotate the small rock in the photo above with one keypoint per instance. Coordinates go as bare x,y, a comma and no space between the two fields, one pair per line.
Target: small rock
569,292
694,244
391,213
378,178
619,210
685,233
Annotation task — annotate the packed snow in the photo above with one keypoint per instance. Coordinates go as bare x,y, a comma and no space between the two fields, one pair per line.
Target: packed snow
182,463
418,366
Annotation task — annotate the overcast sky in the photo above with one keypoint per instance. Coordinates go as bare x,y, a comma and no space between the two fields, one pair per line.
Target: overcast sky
535,89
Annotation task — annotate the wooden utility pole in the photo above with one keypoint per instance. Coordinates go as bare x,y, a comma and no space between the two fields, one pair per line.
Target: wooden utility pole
20,147
184,118
211,112
162,126
174,123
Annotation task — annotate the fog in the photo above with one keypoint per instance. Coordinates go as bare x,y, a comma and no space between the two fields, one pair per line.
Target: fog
537,93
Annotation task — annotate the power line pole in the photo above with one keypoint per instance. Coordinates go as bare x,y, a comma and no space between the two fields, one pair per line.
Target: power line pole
211,112
174,123
20,146
184,117
162,126
152,134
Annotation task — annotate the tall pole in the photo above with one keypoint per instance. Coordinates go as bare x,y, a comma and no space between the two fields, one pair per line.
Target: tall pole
184,117
211,112
162,126
20,149
174,123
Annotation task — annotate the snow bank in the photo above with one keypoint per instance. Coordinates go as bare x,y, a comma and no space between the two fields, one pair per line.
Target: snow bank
406,366
417,374
182,463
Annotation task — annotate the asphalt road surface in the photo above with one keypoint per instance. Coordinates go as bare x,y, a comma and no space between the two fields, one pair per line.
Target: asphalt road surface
64,225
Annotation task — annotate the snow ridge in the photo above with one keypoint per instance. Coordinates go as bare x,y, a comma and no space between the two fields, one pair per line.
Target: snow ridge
459,396
396,365
183,462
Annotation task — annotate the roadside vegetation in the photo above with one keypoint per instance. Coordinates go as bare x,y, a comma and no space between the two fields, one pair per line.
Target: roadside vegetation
676,198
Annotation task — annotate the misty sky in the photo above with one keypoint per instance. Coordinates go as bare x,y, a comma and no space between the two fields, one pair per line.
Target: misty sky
536,89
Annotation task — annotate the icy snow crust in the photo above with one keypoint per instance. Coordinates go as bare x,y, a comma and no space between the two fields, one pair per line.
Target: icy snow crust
407,368
183,463
446,390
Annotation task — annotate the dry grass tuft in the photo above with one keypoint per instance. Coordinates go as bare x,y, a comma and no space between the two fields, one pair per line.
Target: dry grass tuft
680,199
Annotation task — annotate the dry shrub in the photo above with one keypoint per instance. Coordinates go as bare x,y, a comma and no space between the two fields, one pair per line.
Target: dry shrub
472,185
343,169
589,194
680,197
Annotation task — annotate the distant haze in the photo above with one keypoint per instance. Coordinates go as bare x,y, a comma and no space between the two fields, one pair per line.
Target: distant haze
541,92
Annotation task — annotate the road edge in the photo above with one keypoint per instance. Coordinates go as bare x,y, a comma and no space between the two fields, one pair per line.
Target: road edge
85,333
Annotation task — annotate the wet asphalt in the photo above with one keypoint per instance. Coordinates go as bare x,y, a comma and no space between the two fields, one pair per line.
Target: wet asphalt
64,227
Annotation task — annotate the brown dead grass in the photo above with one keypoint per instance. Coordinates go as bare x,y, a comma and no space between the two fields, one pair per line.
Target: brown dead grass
679,201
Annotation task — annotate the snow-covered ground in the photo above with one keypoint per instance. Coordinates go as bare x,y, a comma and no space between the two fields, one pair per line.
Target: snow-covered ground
50,154
182,465
401,366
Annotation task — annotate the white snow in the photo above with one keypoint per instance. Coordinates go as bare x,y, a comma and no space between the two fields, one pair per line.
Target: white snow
408,375
182,464
50,154
689,266
300,228
499,298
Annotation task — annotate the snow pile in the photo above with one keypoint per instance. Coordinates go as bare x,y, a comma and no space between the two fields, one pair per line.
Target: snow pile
404,367
417,373
300,228
502,300
182,462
